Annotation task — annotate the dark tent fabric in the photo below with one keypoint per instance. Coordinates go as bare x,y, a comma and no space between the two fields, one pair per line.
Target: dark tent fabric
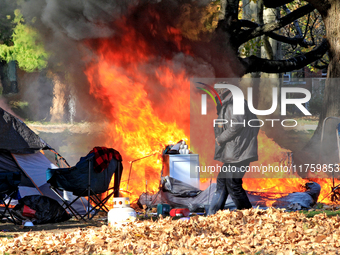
194,203
16,137
178,188
47,210
197,203
8,164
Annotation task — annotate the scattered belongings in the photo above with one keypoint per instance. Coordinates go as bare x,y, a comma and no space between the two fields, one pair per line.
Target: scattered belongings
300,200
163,209
9,182
39,210
179,148
179,212
181,195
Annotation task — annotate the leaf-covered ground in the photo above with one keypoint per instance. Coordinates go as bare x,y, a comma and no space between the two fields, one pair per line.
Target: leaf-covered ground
251,231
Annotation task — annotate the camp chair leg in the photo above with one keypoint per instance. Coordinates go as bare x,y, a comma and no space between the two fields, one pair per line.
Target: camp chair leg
65,204
7,209
99,204
117,179
95,208
74,212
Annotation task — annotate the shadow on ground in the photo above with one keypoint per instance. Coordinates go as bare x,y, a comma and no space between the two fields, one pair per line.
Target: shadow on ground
8,229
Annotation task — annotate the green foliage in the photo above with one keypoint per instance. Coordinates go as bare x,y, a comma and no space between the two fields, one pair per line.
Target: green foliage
210,20
27,48
312,68
193,27
5,28
6,20
251,47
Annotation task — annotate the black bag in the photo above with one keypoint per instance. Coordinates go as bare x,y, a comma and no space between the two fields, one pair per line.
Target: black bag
47,210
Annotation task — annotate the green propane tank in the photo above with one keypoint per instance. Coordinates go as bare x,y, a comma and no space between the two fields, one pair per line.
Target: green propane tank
121,212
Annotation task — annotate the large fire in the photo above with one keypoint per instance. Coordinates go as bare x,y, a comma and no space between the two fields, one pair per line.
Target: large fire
140,123
141,126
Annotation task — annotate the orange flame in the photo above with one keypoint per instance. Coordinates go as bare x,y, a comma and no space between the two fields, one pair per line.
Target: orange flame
137,126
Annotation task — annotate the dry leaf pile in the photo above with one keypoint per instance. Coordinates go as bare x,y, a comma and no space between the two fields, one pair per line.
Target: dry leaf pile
271,231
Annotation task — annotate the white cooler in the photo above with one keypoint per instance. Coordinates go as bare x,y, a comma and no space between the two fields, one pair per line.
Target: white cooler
182,167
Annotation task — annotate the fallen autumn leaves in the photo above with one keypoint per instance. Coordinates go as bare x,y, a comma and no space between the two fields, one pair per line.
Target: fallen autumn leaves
227,232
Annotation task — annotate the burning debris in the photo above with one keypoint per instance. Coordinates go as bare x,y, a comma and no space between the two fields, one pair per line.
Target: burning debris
300,200
179,194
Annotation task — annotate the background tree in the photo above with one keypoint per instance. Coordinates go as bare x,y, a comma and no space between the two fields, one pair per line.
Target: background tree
24,46
20,45
307,47
242,31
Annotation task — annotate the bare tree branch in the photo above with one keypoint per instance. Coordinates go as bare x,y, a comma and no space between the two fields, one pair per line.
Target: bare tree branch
281,38
247,23
295,22
300,35
288,40
306,29
276,3
246,35
324,62
320,67
311,30
268,47
255,64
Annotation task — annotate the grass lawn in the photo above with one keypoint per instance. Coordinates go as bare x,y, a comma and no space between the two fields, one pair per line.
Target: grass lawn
329,213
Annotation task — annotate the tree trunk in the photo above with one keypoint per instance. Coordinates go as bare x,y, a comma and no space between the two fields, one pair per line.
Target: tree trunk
8,77
57,110
327,152
254,11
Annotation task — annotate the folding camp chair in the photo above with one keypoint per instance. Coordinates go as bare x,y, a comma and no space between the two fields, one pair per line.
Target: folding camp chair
9,182
82,180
